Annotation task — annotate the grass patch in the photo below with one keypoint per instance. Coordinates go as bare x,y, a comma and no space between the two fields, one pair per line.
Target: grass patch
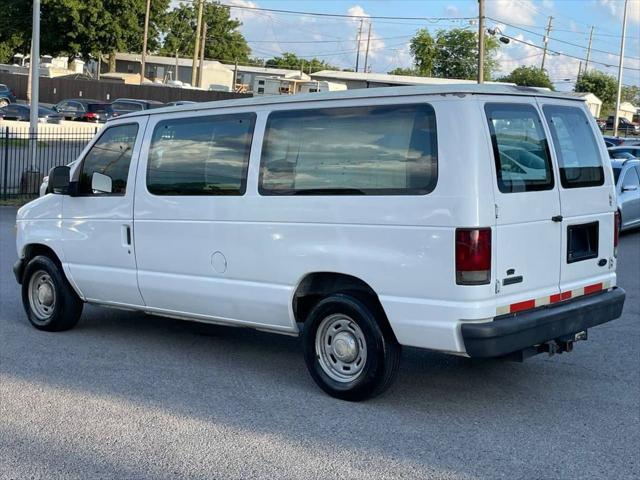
15,201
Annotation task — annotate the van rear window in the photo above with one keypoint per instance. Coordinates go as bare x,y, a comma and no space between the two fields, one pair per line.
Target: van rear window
520,148
371,150
575,146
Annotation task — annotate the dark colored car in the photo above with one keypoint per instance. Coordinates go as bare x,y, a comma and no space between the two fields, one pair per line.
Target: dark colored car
21,113
612,141
624,125
84,110
122,106
6,95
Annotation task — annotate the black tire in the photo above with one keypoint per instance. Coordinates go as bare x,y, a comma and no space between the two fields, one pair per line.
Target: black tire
382,350
66,307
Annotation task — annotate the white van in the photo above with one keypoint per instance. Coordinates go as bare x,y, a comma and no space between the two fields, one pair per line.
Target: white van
475,220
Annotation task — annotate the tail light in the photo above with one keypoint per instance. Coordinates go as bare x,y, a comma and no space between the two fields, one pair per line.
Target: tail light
90,116
473,256
617,221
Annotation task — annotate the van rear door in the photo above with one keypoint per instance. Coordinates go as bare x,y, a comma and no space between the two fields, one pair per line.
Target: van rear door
528,235
586,198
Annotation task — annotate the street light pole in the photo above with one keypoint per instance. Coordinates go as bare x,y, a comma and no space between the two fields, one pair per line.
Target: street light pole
196,49
480,41
616,115
35,68
144,42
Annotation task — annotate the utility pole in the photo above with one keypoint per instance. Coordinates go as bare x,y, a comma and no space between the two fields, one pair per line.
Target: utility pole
202,46
579,70
144,42
177,67
366,55
480,41
616,115
586,65
35,74
194,65
546,42
359,38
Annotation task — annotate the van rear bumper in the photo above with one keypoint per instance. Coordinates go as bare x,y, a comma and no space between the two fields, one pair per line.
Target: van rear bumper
517,331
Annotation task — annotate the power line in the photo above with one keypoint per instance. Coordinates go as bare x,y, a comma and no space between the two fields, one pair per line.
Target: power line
557,39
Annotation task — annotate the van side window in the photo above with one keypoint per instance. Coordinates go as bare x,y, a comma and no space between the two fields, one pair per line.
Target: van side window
110,155
520,148
575,146
200,156
371,150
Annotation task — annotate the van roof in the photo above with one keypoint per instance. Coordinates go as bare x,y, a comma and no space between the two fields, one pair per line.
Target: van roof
380,92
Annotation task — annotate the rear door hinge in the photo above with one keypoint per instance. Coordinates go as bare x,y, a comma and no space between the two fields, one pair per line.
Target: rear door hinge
610,200
497,286
497,211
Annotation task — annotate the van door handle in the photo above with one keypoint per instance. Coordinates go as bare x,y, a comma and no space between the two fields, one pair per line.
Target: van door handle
557,218
126,236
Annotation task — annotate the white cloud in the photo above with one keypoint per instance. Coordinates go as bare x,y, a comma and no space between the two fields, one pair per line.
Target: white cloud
452,11
615,8
513,11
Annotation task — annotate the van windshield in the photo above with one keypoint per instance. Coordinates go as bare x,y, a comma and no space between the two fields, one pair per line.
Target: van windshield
575,147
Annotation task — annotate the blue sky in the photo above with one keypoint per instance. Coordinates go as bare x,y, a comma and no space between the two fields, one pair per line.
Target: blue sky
333,39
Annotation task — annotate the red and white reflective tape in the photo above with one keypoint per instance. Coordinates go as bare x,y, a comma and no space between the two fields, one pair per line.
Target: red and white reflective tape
550,299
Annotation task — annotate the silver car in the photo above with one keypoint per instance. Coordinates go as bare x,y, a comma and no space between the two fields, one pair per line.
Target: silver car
627,175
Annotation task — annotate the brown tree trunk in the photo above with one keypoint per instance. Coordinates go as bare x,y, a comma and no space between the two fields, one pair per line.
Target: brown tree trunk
112,62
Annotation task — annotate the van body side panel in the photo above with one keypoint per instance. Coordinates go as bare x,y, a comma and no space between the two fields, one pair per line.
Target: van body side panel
270,243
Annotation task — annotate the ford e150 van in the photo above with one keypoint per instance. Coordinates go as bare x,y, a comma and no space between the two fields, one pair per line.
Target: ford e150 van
361,220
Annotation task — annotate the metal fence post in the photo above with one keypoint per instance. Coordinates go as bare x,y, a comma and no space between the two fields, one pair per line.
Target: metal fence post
5,178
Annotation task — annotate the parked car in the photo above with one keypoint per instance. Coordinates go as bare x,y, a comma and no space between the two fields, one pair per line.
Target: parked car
6,95
84,110
22,113
350,225
627,175
631,149
624,126
179,102
620,155
122,106
613,141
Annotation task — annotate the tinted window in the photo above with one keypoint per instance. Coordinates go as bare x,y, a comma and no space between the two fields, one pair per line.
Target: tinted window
520,148
200,156
4,88
130,107
575,146
110,155
97,107
381,150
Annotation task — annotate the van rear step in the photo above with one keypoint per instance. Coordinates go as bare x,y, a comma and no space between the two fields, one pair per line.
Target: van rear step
559,345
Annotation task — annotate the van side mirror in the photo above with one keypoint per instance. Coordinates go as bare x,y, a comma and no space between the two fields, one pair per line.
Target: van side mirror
59,179
101,183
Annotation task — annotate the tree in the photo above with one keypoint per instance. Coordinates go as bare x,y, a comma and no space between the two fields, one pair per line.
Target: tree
293,62
451,54
631,94
224,41
603,86
81,27
528,77
410,72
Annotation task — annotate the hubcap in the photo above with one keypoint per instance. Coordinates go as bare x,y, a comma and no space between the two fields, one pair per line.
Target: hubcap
42,296
341,348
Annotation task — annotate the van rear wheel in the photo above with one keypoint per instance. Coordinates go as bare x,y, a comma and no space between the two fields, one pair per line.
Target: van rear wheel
347,351
50,302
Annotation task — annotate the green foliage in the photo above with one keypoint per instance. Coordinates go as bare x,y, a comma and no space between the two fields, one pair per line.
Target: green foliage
81,27
630,93
528,77
411,72
604,86
451,54
292,61
224,41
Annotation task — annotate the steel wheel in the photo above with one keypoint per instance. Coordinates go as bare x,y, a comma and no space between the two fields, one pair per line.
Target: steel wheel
42,296
341,348
3,102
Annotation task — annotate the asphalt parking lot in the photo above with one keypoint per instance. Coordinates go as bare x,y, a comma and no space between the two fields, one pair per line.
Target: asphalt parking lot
128,396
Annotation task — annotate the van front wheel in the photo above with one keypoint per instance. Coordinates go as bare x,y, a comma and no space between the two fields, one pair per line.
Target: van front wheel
50,302
347,351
